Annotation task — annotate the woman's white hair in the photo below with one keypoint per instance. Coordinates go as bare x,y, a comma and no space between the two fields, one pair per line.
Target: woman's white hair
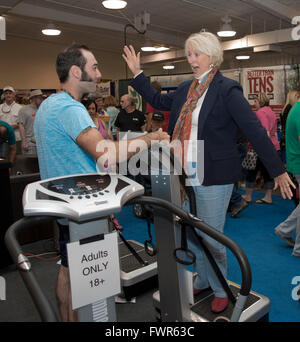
208,43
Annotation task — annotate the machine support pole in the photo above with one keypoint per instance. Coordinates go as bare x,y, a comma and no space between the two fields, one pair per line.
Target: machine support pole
171,275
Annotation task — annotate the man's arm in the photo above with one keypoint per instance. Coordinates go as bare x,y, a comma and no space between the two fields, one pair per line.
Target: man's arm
23,137
115,151
12,153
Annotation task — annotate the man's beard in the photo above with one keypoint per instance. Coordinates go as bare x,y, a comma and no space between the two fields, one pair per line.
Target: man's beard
87,83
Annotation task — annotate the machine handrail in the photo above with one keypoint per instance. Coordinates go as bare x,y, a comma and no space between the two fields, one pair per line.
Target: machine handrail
199,224
40,300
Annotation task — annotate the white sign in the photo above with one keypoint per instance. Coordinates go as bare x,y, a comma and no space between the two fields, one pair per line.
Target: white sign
269,80
103,89
94,270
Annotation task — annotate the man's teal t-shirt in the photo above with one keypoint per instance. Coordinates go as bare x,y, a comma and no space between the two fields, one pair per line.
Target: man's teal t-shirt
58,122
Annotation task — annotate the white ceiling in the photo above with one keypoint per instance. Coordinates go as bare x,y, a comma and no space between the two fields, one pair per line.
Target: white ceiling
171,21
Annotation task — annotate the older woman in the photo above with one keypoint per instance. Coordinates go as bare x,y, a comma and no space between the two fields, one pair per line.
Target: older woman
211,108
268,120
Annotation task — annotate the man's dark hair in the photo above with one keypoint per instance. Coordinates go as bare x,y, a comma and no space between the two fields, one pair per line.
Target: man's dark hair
72,55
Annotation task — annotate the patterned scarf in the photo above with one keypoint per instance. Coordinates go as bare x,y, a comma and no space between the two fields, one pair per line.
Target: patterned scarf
182,130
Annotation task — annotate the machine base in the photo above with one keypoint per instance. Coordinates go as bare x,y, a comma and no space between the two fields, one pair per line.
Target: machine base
257,307
134,276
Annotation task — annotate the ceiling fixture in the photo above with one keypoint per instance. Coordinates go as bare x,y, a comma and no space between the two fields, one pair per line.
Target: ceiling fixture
226,29
51,30
242,57
114,4
2,28
161,48
169,67
148,46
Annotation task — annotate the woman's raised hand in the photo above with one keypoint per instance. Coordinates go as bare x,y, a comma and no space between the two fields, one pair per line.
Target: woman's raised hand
132,59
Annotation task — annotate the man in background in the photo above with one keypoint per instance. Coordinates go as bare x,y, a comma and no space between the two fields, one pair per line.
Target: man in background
157,121
129,118
9,111
26,119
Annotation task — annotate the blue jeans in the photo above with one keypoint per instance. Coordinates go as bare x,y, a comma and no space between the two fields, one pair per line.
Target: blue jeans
212,203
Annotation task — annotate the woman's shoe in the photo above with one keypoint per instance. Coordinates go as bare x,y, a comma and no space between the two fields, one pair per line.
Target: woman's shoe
219,304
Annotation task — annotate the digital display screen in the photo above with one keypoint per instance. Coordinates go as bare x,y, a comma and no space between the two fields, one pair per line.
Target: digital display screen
79,185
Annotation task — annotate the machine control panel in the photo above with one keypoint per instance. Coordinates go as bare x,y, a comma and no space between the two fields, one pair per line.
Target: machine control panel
80,197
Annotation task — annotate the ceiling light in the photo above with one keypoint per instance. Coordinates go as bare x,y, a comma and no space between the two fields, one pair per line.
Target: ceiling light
148,46
161,48
51,30
242,57
169,67
2,28
226,29
114,4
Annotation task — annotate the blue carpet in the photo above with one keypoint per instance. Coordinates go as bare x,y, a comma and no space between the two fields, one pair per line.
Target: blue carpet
273,266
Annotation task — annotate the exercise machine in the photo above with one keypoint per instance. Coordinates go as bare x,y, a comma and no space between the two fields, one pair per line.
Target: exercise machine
248,306
86,200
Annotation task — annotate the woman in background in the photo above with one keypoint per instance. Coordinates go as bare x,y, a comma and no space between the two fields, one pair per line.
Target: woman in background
268,120
100,124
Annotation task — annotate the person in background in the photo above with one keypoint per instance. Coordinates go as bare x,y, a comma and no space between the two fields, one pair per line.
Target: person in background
9,111
210,108
237,202
157,121
291,225
268,120
292,97
150,110
26,119
99,102
110,106
129,118
91,107
7,136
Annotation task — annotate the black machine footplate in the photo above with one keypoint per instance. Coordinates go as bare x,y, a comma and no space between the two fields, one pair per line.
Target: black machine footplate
202,306
128,262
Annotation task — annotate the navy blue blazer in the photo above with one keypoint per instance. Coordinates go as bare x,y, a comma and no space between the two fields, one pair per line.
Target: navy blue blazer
224,110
